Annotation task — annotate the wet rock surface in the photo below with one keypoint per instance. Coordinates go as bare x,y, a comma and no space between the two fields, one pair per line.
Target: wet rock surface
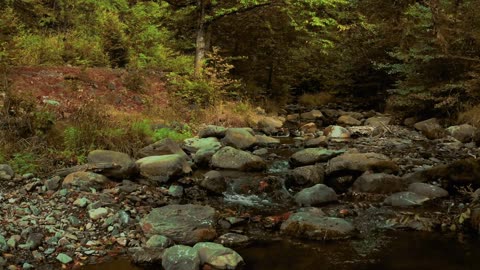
382,178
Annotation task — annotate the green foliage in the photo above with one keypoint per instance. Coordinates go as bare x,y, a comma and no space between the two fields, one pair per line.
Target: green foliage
175,135
24,163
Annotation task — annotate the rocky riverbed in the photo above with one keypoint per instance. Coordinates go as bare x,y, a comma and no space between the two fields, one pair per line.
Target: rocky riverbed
324,175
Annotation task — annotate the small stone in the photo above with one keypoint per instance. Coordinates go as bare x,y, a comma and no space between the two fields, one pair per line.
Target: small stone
159,241
175,191
64,258
81,202
98,213
27,266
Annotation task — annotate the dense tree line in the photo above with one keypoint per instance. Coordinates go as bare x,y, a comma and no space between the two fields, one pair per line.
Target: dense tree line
417,56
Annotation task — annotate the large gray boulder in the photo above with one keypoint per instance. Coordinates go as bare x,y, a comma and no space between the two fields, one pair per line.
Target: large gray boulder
311,156
203,149
180,257
218,256
464,133
406,198
312,174
314,226
162,168
430,191
125,164
431,128
361,162
6,172
270,125
212,131
163,147
85,181
240,138
234,159
379,183
316,195
185,224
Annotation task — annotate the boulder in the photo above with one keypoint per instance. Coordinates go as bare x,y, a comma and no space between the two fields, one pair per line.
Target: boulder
406,198
293,117
316,195
379,183
309,128
265,141
317,142
240,138
193,145
126,165
314,226
185,224
218,256
464,133
348,120
162,168
85,181
180,257
6,172
428,190
311,115
337,133
311,156
361,131
233,159
313,174
431,128
361,162
214,182
233,240
163,147
212,131
270,125
378,121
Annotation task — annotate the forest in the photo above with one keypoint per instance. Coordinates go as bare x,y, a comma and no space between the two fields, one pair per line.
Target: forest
314,101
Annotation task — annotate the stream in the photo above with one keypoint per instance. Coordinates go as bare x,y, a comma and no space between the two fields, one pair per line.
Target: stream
395,251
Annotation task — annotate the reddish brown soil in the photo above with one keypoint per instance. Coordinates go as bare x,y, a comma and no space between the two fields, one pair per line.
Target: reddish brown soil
74,86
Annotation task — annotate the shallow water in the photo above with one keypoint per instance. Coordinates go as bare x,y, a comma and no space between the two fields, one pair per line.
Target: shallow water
400,251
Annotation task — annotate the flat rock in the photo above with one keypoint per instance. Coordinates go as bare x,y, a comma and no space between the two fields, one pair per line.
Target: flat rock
240,138
348,120
185,224
126,165
313,226
218,256
316,195
378,121
311,115
233,159
406,198
85,181
266,141
308,128
162,168
233,240
311,156
428,190
193,145
379,183
180,257
361,162
163,147
321,141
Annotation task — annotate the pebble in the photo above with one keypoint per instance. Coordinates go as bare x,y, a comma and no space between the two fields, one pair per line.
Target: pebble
64,258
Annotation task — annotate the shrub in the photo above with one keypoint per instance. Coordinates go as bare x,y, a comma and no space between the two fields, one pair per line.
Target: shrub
24,163
163,133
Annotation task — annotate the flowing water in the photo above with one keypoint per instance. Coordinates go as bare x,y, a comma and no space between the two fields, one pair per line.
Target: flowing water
399,251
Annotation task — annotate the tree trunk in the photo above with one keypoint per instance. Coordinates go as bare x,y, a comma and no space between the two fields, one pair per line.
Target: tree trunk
200,45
